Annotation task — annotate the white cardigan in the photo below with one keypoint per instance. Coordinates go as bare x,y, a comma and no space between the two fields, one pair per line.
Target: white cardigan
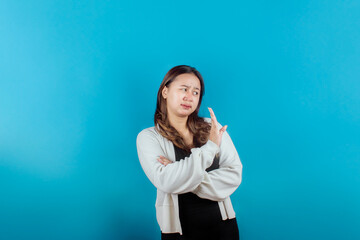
189,175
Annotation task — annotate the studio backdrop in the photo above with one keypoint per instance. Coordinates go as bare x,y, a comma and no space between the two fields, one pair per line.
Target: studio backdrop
79,80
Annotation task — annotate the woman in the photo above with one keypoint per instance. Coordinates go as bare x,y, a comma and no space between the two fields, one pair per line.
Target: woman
191,161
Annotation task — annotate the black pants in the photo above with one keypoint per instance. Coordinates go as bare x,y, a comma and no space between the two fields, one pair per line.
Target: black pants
222,230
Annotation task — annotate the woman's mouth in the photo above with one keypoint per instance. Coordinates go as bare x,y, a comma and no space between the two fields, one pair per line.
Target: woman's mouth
185,106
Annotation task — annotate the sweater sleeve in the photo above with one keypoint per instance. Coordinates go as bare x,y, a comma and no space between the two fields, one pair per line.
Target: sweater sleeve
220,183
180,176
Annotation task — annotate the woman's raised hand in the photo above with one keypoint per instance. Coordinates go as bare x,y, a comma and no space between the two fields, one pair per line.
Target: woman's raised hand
215,133
215,136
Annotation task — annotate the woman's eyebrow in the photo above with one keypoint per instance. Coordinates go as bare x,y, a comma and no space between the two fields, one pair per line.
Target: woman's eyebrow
189,86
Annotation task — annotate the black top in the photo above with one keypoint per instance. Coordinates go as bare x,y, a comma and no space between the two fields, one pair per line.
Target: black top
196,212
201,218
190,201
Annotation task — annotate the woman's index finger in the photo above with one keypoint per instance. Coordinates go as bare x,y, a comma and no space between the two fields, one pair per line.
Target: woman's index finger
212,114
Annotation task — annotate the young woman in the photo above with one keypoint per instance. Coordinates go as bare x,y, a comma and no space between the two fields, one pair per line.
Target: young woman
191,161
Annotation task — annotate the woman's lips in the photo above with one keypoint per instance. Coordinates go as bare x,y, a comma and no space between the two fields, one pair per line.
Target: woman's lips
185,106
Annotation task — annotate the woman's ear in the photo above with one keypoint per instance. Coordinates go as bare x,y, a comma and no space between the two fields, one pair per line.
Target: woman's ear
164,92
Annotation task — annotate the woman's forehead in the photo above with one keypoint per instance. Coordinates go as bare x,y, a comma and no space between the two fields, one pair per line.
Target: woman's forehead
187,79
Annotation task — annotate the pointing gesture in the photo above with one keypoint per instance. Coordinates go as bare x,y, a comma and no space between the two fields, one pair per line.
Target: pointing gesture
215,136
215,133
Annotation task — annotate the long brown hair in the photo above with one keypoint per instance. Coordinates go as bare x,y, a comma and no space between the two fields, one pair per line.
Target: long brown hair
196,125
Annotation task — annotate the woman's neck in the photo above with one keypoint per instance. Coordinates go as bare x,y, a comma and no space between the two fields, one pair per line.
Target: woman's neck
179,123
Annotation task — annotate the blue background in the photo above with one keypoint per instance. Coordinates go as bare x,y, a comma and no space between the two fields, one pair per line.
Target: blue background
78,81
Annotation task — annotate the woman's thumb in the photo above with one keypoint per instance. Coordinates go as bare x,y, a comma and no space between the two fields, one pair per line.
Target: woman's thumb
223,129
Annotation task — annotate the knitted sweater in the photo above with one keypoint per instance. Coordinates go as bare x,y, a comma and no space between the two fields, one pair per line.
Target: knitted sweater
188,176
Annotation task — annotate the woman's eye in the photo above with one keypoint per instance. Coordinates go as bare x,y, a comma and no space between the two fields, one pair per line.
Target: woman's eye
196,93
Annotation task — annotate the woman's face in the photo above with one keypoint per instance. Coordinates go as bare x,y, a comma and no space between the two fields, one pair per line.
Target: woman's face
183,94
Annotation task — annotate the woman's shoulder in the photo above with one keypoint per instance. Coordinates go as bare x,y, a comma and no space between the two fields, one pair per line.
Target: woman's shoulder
149,132
150,137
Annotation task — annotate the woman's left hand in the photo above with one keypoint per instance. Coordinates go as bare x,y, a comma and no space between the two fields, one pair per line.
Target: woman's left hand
163,160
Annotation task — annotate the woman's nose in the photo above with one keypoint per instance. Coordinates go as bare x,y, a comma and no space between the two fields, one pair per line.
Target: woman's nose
188,96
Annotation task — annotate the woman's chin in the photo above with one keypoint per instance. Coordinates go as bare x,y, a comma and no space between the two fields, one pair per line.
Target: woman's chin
184,113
